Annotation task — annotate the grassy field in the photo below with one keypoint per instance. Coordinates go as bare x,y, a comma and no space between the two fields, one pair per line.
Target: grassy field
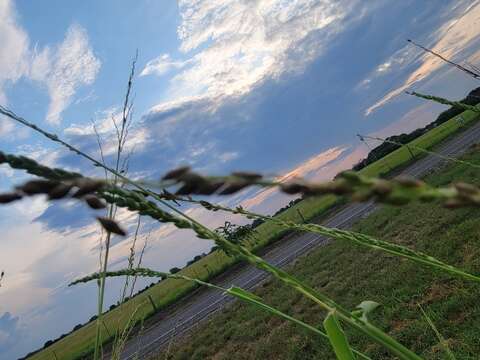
351,274
80,342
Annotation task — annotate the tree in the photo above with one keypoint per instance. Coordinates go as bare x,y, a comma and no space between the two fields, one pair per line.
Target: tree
174,270
473,98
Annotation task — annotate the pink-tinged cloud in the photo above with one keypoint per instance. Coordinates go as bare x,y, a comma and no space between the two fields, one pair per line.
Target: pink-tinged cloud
310,166
453,37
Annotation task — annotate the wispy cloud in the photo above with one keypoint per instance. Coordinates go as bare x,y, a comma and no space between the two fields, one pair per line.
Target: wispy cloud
395,62
452,39
240,43
63,70
15,44
9,330
13,61
104,124
229,51
310,167
162,65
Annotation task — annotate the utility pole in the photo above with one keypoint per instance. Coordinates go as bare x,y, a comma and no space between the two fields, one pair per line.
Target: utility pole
301,216
106,329
152,303
410,151
362,139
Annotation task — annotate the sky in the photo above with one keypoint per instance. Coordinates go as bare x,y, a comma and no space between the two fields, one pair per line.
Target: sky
275,86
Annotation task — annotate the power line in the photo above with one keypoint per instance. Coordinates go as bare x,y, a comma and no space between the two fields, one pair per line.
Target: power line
473,74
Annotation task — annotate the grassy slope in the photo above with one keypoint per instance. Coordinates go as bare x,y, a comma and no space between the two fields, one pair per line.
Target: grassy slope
168,291
351,274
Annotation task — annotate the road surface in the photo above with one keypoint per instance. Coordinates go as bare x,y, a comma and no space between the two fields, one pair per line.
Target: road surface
205,302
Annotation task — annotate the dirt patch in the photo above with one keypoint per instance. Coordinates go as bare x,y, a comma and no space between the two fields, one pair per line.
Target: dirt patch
457,318
439,349
436,292
400,325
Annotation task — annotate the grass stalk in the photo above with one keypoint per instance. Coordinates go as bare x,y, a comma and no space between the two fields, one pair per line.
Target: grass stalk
182,220
234,291
441,339
444,101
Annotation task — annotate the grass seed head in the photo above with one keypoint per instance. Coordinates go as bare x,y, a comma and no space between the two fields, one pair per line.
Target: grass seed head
397,199
192,182
111,226
382,188
34,187
9,197
362,195
454,203
94,202
60,191
466,189
248,176
340,187
177,173
409,182
293,188
87,186
233,187
209,188
351,176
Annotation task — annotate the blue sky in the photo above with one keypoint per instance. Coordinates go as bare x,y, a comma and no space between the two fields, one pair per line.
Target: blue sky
276,86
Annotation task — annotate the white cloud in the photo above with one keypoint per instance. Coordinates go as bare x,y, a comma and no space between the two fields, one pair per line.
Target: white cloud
384,67
103,123
230,49
5,125
62,69
71,65
395,62
6,171
137,136
162,64
13,61
14,40
454,37
9,331
241,43
228,156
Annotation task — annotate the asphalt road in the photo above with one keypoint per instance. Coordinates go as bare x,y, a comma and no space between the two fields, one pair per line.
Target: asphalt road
204,303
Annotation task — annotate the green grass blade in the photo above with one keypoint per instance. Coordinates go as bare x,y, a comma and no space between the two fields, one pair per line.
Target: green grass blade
368,329
136,202
440,338
370,242
256,301
337,337
185,221
234,291
444,101
360,239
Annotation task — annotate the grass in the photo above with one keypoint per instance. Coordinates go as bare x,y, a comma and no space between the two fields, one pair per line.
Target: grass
350,274
80,343
401,156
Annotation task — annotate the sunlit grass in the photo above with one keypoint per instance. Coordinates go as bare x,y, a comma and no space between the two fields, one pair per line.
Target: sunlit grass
352,274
